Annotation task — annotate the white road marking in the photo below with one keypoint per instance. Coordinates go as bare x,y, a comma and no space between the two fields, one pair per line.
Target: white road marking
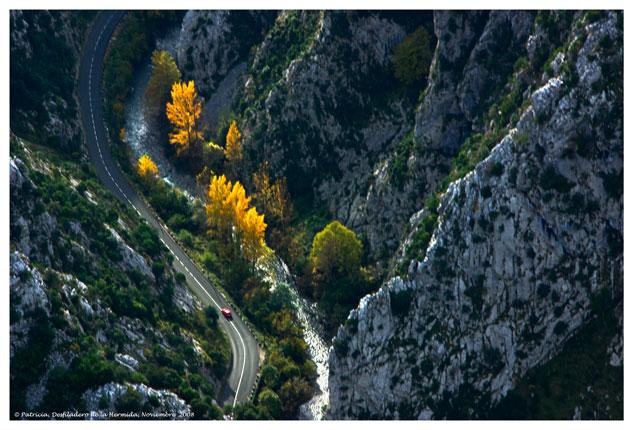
94,129
239,383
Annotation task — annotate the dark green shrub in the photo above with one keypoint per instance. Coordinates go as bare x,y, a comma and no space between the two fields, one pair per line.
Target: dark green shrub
476,292
412,57
552,180
212,315
341,347
543,290
496,169
613,184
400,302
560,328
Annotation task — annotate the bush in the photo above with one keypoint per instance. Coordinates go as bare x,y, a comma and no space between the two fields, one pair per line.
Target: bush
552,180
335,259
164,73
412,57
204,409
185,237
212,315
270,376
496,169
341,347
210,261
245,411
269,400
147,239
560,328
398,168
613,184
400,302
131,401
543,290
293,393
476,292
422,237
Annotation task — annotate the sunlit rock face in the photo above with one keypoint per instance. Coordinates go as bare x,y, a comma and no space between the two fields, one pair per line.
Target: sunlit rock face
211,43
526,244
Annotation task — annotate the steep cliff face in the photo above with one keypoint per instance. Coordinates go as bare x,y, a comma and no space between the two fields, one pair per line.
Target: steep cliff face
319,101
213,42
98,316
321,104
45,46
527,248
473,58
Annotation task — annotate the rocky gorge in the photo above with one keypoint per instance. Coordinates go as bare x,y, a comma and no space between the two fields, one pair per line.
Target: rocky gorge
517,131
487,194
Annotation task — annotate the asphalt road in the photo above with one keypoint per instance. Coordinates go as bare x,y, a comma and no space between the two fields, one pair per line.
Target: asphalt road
245,351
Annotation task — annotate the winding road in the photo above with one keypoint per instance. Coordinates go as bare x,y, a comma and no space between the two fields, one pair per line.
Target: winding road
245,350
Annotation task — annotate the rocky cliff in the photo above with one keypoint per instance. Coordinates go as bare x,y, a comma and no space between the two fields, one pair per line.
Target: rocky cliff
473,59
526,248
45,46
321,105
99,320
212,43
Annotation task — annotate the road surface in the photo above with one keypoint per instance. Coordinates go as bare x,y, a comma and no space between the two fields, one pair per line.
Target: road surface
245,351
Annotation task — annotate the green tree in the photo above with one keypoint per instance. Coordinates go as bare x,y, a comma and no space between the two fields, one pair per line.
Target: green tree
212,315
293,393
245,411
270,376
269,400
335,253
412,57
164,73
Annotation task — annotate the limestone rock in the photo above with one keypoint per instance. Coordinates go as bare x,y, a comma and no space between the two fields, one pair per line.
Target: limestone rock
523,244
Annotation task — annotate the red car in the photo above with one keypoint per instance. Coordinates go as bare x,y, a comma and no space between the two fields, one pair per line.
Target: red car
227,313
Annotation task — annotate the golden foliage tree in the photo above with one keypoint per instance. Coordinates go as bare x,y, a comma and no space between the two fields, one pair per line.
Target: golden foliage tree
272,198
218,210
184,112
233,149
164,73
212,159
229,214
252,227
146,167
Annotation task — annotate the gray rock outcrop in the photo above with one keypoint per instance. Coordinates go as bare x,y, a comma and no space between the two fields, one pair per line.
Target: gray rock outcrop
524,244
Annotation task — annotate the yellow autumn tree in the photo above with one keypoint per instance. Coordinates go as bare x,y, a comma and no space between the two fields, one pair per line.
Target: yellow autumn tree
146,167
184,112
230,216
233,148
252,227
272,198
218,210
